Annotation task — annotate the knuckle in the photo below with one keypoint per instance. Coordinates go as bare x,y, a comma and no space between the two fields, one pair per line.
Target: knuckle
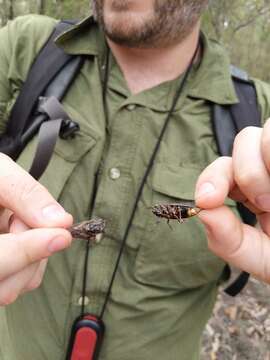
29,189
8,298
237,138
248,130
223,162
5,220
265,145
212,246
34,284
246,135
5,158
247,179
243,134
28,258
225,158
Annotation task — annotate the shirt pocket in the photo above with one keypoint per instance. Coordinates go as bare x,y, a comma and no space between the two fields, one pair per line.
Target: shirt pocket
175,256
66,156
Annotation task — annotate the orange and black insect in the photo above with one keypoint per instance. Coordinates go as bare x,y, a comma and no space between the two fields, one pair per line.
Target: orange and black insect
177,212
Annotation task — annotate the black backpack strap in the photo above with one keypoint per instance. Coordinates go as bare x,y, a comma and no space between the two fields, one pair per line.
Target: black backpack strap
246,112
49,132
238,284
227,122
46,73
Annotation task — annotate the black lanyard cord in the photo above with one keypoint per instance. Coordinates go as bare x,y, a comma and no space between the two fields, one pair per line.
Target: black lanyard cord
144,179
147,172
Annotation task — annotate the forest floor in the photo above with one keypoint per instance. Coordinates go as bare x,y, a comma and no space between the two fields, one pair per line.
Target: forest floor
240,327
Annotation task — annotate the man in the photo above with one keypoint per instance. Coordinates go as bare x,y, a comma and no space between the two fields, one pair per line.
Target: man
167,280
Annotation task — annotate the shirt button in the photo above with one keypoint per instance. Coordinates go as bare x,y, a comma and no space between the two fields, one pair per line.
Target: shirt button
131,107
115,173
86,301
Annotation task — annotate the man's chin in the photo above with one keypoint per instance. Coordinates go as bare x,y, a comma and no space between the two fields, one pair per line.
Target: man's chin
124,19
123,29
125,39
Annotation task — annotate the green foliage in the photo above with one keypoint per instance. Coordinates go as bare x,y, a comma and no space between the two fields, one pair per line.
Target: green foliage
243,26
68,9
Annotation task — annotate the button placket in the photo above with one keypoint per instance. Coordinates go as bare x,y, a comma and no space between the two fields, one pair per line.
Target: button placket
117,182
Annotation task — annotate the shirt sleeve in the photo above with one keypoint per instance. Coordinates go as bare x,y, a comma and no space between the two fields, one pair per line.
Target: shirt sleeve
263,96
20,42
5,89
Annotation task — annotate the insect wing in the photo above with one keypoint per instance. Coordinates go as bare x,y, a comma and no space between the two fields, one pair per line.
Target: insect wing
185,204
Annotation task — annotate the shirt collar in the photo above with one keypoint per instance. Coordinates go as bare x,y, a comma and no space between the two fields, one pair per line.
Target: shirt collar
210,79
83,38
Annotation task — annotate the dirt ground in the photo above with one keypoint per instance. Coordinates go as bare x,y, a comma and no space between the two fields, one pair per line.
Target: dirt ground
240,326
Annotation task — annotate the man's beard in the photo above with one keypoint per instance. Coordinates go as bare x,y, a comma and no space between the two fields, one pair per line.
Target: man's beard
169,22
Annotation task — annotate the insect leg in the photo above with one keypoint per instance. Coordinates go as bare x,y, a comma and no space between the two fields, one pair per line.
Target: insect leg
179,218
168,222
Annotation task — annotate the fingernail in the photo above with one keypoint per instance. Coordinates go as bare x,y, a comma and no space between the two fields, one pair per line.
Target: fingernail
57,244
53,212
263,202
204,190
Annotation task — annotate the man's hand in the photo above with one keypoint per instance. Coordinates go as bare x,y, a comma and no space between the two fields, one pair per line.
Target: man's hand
32,227
244,177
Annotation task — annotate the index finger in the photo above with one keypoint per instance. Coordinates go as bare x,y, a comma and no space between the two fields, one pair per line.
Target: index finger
28,199
239,244
18,251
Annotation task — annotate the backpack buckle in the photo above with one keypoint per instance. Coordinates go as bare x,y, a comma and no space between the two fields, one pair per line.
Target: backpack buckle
55,110
68,129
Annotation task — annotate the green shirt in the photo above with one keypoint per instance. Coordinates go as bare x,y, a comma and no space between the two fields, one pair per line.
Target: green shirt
167,281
